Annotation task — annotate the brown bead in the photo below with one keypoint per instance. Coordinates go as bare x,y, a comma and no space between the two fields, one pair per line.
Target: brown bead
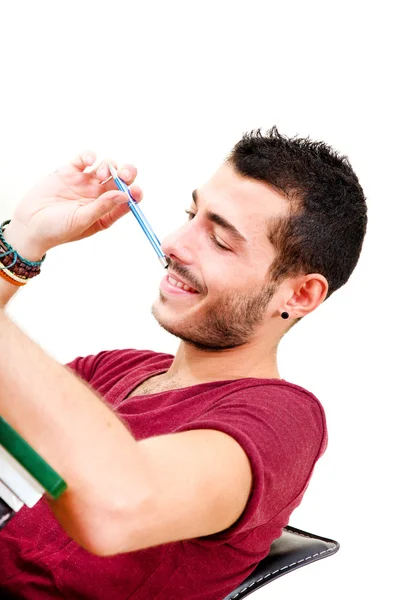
19,268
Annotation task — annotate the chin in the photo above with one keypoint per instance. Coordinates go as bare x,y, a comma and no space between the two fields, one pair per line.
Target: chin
169,317
198,330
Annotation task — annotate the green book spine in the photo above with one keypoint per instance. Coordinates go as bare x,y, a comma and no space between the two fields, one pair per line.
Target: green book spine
31,460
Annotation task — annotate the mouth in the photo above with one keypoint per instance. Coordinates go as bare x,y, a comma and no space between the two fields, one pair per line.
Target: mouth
180,283
173,284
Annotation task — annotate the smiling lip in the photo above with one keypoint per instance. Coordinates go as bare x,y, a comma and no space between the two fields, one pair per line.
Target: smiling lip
170,288
181,281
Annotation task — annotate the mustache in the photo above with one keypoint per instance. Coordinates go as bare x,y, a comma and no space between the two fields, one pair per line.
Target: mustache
180,269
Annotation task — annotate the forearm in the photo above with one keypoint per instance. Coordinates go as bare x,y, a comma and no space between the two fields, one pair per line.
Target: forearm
7,291
69,425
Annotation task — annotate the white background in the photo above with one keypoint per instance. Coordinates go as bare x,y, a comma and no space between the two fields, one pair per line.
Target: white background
171,86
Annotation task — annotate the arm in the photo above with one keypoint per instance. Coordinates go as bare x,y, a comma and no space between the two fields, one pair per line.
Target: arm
7,291
77,434
122,495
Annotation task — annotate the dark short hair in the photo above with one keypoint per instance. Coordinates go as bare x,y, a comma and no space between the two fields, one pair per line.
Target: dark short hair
327,219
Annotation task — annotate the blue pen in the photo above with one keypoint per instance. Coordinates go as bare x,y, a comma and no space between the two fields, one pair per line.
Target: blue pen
144,224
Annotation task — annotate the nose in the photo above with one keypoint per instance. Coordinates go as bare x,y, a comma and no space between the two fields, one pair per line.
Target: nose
179,245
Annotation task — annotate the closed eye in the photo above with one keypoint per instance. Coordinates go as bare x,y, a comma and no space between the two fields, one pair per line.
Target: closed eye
216,243
191,215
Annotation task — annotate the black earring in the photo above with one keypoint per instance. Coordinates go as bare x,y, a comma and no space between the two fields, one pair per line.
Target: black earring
285,315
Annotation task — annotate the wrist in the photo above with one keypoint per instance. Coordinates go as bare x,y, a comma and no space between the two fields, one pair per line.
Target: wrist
18,238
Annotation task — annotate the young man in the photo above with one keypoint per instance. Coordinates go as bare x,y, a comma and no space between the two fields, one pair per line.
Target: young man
180,479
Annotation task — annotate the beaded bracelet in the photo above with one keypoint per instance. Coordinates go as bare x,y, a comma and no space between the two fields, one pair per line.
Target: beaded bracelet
15,269
8,276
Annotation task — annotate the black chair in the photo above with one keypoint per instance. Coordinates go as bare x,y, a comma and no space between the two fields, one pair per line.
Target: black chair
294,549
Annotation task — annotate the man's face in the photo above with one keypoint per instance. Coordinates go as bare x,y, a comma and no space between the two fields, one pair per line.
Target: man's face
222,254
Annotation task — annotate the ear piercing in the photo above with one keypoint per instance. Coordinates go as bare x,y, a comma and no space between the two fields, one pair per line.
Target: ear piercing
285,315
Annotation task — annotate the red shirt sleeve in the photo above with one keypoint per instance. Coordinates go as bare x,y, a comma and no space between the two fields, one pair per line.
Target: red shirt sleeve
282,429
85,366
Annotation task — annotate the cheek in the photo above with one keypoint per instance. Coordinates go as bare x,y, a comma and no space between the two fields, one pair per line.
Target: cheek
222,277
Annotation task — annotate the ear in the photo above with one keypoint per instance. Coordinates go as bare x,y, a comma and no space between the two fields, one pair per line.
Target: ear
309,291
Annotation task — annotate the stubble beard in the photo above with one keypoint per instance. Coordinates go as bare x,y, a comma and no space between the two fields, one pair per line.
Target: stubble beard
226,323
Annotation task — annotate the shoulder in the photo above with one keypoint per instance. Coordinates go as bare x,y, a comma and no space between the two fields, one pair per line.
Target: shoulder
287,399
275,396
290,417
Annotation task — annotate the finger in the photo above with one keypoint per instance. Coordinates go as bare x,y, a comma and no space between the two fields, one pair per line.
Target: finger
82,161
103,172
127,173
88,214
113,216
110,185
104,222
137,192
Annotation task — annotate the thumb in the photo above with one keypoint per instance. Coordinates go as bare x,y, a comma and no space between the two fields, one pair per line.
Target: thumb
90,213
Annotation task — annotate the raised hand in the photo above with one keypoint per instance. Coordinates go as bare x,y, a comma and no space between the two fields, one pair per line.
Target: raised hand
69,205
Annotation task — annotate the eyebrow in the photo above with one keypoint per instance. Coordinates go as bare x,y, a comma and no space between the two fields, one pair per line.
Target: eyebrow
221,221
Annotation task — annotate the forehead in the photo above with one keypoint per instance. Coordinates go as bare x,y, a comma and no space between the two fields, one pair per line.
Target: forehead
247,203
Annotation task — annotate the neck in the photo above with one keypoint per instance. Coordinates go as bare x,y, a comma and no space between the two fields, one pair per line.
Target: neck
199,366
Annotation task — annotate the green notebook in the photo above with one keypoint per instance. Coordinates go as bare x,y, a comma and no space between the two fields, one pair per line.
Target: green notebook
28,458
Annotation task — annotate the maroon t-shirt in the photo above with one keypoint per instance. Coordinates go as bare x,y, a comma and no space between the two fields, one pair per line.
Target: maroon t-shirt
280,426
